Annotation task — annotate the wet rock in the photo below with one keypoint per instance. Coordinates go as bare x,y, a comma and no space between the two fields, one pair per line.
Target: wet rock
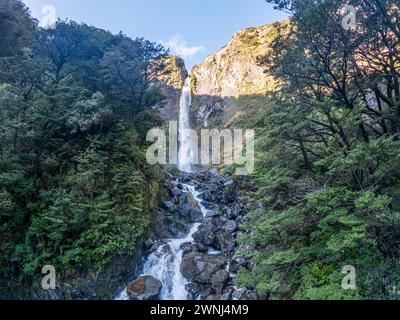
228,182
176,228
219,279
192,201
175,192
145,288
214,172
206,234
199,267
225,241
212,213
187,247
169,206
184,210
207,196
196,216
234,266
148,244
230,226
239,293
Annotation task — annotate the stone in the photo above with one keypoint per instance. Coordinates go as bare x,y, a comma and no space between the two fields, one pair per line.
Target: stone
176,228
192,201
176,192
145,288
206,234
196,216
234,266
214,171
199,267
225,241
239,293
219,280
230,226
169,206
228,182
184,210
212,213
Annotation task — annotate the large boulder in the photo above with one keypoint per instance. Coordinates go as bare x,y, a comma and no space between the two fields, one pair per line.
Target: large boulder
219,280
169,206
198,267
206,234
224,241
230,226
175,192
145,288
176,229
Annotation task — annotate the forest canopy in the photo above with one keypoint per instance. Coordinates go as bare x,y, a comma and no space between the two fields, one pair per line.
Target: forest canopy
328,167
74,183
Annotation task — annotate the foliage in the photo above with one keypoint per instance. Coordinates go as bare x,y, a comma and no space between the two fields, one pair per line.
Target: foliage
74,183
328,168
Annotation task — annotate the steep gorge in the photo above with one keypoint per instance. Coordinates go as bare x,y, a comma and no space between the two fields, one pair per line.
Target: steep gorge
194,258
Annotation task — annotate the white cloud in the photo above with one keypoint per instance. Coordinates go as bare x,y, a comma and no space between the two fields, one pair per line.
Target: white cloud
179,46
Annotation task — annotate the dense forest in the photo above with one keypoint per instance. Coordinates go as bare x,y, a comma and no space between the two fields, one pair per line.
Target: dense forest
75,187
328,156
76,191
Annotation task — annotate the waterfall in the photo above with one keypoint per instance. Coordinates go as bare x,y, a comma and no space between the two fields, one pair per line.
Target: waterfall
185,149
164,263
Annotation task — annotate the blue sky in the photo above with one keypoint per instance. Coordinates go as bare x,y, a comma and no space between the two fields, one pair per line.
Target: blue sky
192,28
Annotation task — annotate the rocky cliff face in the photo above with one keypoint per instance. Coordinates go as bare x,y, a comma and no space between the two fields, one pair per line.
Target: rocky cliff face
231,74
170,82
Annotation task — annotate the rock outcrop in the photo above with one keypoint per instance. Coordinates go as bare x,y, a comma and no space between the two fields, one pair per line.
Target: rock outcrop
230,74
170,82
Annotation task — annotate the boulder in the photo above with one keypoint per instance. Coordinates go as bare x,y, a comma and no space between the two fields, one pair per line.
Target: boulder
239,293
211,213
196,216
184,210
219,280
177,229
228,182
206,234
234,266
192,201
169,206
225,241
214,172
145,288
175,192
198,267
230,226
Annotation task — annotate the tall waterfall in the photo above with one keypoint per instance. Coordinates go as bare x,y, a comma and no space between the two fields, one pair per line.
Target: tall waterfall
165,262
185,149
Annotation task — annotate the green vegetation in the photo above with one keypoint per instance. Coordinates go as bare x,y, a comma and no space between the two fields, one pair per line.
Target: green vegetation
75,189
328,157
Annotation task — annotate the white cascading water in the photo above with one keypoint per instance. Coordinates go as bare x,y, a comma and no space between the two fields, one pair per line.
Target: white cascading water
164,264
185,150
